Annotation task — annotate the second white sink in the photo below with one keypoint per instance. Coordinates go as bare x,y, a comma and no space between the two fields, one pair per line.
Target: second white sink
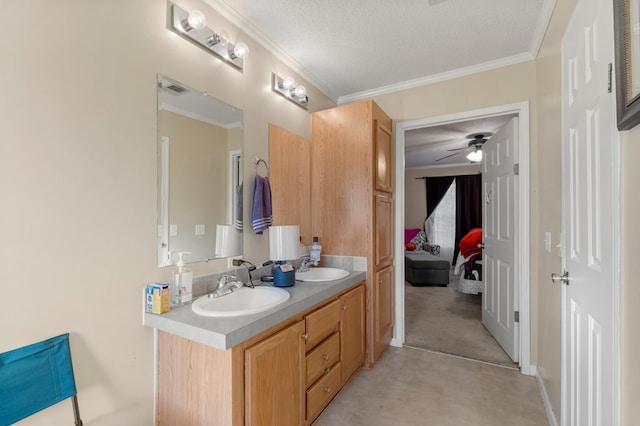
322,274
242,301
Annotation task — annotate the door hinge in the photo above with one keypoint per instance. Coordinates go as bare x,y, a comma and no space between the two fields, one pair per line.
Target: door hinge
516,169
610,71
516,316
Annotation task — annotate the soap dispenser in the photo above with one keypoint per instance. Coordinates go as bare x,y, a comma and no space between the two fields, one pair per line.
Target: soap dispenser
183,281
314,253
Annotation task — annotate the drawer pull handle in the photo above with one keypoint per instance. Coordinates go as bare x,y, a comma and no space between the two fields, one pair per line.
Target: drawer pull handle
326,357
327,370
305,336
327,390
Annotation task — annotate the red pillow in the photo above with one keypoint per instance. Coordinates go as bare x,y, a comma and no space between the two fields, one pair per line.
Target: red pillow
409,234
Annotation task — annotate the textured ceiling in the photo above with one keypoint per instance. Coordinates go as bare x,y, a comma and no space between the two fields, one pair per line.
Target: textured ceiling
353,49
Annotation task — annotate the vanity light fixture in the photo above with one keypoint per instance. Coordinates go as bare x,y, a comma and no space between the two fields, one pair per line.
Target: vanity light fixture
193,26
287,88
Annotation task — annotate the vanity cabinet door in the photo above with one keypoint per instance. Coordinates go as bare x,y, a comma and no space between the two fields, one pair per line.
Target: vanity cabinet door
274,388
383,158
352,331
383,308
383,230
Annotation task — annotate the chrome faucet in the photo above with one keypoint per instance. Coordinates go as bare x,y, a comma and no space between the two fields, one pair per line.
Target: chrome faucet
227,283
305,261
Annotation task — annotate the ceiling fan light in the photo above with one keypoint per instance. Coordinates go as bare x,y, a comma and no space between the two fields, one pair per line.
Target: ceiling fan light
475,156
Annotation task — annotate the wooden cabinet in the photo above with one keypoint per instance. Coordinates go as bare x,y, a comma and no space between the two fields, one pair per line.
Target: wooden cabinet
352,196
286,375
273,379
352,332
290,162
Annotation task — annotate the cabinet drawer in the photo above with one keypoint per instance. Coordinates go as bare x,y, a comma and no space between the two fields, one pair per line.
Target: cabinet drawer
322,323
319,395
321,359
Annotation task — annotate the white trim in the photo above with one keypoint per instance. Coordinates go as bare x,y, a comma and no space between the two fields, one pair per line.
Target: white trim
164,256
548,408
522,110
430,79
541,27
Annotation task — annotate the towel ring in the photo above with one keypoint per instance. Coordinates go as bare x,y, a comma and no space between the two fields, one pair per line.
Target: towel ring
257,162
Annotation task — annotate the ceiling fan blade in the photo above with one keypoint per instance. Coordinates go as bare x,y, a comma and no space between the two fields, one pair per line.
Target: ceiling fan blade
459,149
451,155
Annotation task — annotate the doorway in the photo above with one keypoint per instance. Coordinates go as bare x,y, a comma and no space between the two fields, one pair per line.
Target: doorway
521,110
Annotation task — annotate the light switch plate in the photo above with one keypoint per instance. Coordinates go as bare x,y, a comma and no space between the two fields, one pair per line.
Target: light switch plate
173,230
200,229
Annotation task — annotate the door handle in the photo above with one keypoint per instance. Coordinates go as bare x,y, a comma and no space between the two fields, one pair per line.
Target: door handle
481,246
564,278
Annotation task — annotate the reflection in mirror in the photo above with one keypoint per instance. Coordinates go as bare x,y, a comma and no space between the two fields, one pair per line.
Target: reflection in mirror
199,175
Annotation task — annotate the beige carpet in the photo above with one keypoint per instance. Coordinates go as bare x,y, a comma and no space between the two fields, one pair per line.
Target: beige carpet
444,320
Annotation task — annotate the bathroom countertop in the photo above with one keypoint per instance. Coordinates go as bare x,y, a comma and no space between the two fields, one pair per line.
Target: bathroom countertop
224,333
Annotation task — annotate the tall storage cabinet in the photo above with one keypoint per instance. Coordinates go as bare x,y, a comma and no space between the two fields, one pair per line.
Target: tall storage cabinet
352,203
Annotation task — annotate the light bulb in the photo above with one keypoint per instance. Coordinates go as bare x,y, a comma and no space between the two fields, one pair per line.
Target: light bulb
240,50
300,91
287,83
196,20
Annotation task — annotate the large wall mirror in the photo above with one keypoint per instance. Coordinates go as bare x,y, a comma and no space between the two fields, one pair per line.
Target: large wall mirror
199,175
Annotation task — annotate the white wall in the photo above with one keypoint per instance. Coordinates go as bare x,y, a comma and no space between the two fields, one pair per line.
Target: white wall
78,180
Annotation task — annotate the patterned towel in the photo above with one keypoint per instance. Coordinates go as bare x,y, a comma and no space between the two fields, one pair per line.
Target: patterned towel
261,216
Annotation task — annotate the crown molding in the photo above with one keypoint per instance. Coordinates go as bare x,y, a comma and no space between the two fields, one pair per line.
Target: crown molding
541,27
431,79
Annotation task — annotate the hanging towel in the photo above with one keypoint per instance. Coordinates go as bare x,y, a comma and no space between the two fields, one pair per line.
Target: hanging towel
35,377
261,217
238,223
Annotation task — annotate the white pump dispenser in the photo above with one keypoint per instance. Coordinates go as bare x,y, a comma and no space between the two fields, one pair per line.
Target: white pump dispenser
183,281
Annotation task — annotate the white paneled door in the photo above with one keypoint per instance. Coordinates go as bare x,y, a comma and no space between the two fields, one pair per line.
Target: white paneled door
499,224
590,199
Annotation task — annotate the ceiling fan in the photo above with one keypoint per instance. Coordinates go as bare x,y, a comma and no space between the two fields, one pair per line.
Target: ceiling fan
473,148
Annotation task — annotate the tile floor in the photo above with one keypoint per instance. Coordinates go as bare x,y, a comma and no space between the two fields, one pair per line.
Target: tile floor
415,387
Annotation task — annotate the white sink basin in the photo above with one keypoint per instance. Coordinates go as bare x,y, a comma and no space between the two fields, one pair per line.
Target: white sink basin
242,301
322,274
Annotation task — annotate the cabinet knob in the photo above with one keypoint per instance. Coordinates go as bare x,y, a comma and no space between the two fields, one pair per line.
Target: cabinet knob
327,390
325,357
305,336
344,307
327,370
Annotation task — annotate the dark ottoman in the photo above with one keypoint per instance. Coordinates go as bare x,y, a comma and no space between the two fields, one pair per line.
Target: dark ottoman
421,268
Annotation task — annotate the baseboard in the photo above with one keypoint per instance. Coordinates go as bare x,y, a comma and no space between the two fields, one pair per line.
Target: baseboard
551,418
397,343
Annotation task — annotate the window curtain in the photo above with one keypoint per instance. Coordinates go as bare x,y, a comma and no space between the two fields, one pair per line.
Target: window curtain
436,188
468,203
468,207
439,226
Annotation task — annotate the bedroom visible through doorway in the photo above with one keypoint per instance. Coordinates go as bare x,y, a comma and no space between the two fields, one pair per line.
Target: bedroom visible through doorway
463,303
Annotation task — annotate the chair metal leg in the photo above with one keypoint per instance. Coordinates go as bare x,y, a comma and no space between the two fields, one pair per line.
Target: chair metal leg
76,410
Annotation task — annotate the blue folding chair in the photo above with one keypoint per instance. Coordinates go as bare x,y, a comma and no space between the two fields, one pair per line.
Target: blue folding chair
35,377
